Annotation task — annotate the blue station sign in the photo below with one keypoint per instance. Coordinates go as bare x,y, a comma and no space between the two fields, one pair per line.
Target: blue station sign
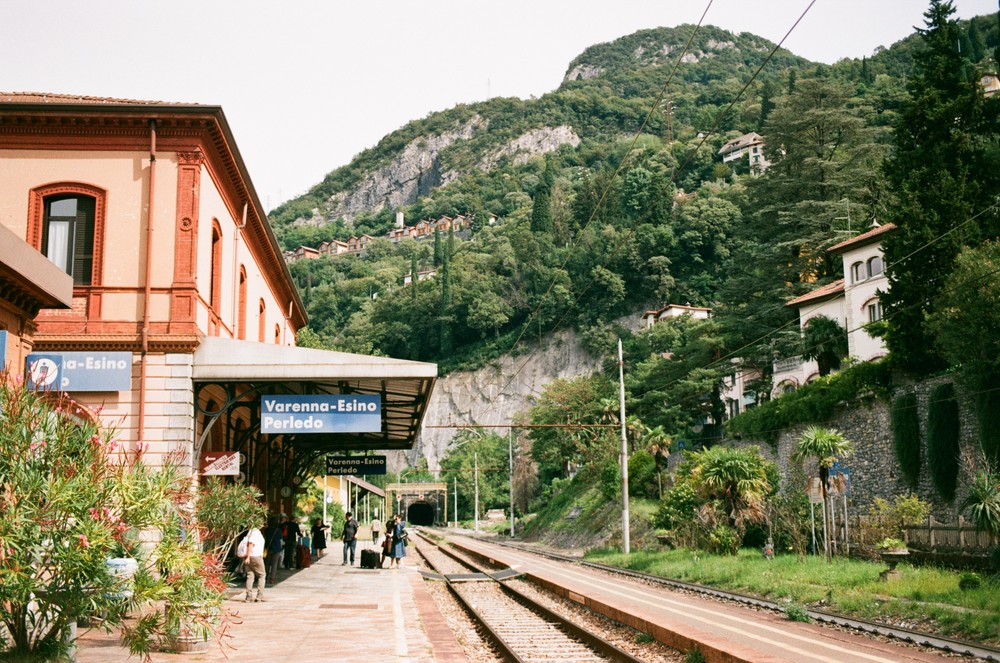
328,413
79,371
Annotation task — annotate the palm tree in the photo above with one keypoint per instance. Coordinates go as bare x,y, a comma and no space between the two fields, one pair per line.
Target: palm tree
825,341
737,477
825,445
658,444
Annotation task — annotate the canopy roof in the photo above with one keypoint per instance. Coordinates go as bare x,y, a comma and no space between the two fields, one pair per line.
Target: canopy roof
259,368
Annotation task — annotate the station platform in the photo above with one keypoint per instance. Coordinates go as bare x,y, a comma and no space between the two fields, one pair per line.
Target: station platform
325,613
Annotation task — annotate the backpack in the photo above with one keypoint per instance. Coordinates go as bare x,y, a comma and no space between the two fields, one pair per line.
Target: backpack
241,549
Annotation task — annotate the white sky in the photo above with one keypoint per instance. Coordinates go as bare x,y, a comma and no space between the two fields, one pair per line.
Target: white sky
307,84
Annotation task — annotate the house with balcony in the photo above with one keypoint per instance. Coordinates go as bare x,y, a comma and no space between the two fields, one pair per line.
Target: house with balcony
749,146
851,301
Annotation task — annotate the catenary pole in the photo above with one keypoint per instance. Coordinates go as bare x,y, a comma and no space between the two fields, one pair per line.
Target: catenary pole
624,455
510,449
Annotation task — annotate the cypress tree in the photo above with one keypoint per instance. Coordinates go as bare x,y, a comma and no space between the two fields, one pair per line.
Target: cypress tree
437,247
944,183
414,277
541,210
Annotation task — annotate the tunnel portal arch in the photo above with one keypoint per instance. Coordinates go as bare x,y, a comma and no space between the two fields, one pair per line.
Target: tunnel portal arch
420,513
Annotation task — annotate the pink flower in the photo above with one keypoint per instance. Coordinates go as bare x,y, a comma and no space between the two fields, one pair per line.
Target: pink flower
84,543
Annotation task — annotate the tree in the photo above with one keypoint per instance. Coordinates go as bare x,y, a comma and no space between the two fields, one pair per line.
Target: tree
944,172
965,320
825,341
825,445
735,477
69,502
541,209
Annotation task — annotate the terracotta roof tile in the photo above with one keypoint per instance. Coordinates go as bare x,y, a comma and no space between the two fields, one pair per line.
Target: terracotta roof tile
53,98
828,290
863,238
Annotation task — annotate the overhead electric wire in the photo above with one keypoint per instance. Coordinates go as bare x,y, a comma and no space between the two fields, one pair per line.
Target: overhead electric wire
672,179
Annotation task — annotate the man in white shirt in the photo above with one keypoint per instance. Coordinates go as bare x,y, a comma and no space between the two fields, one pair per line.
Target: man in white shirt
251,549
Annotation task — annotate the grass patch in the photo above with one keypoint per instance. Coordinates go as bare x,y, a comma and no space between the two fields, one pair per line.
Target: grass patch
928,596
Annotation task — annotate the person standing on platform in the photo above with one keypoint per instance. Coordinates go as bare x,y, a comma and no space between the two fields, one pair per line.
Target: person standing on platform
251,550
319,537
387,542
398,541
272,546
291,534
350,536
376,529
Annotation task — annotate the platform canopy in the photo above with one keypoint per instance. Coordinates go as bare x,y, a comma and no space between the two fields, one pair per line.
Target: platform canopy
236,373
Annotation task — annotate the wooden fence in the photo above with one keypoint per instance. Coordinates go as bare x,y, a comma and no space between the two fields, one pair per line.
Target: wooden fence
930,536
935,536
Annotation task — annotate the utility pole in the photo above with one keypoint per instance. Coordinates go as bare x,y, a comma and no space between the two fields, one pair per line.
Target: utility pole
475,514
511,481
624,456
455,481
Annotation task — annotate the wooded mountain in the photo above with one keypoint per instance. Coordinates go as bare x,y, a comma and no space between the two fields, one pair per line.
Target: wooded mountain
611,196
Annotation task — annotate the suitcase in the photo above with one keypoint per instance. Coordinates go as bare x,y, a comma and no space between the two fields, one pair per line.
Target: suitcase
370,559
304,558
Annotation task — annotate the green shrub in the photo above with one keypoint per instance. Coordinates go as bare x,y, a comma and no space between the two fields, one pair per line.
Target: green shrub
611,480
677,506
797,613
969,580
723,540
694,656
906,436
942,439
814,403
642,475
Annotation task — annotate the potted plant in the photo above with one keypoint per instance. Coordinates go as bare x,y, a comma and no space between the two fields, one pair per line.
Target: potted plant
892,551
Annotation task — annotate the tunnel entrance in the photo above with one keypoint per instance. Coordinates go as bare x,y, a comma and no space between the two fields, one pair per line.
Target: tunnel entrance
420,513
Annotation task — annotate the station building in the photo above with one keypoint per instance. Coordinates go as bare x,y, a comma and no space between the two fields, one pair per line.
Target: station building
179,312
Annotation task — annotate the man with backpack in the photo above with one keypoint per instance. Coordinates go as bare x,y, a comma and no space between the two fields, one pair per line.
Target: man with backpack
350,536
251,551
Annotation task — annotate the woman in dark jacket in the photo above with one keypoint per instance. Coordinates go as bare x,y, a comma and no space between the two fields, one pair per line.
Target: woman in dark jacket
390,526
319,537
398,543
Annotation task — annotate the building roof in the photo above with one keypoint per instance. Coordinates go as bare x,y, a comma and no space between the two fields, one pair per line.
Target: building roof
827,291
679,306
405,386
869,237
746,140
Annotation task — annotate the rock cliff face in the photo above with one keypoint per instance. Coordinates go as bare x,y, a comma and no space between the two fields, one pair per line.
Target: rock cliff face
481,397
413,173
417,169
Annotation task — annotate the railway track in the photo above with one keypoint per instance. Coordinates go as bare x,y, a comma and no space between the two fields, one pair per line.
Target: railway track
523,629
938,642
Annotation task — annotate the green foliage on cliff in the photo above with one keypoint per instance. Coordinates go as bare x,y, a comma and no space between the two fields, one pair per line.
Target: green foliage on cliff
906,436
943,431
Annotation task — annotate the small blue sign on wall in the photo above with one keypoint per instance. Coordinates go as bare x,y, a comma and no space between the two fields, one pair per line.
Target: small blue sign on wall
80,371
328,413
3,348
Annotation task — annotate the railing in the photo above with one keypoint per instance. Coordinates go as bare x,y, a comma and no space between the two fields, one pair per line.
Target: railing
963,536
789,364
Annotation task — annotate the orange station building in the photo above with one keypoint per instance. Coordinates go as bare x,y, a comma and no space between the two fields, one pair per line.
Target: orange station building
182,311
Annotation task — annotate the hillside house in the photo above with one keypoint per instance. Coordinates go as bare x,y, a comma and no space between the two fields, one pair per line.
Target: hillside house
852,301
650,318
749,145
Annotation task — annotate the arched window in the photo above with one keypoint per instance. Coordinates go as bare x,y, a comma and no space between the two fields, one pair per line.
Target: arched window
66,224
215,275
875,266
874,308
277,334
858,272
241,315
261,321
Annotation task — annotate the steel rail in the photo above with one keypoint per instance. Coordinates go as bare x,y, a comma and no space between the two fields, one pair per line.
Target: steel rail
592,640
906,635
